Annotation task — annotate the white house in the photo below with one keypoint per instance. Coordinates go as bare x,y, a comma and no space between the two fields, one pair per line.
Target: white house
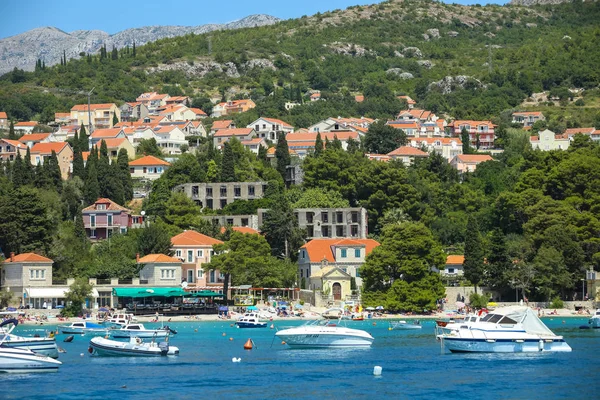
148,167
169,139
268,128
548,140
160,270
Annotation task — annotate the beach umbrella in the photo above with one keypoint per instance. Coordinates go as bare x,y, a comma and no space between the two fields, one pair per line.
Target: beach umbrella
379,308
298,306
370,308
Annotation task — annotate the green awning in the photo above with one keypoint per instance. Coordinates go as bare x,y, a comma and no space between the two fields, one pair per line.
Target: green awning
205,293
149,292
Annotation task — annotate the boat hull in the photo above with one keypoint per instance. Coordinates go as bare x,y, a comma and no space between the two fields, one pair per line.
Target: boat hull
460,345
46,346
112,348
123,334
251,324
595,323
24,361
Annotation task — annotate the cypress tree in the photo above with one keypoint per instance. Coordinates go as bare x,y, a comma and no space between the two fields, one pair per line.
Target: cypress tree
262,153
44,65
91,190
228,164
79,231
498,260
133,52
11,131
466,141
84,144
75,142
78,166
113,185
65,56
282,154
103,169
327,143
123,163
115,119
28,173
54,172
473,265
318,145
17,172
115,53
41,178
336,144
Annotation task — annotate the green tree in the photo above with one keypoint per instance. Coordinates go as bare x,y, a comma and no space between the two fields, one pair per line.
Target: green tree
155,239
228,164
382,138
115,119
78,166
498,260
53,171
280,228
466,141
318,145
181,211
320,198
76,297
91,191
282,155
473,265
124,174
84,143
11,131
149,147
155,204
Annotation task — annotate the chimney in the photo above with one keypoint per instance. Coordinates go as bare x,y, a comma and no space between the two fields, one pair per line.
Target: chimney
12,256
137,258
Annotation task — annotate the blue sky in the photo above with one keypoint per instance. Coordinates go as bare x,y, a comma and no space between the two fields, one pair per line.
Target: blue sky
116,15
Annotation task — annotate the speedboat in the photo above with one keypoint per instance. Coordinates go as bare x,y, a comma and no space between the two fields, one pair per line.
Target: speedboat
83,327
138,330
120,319
41,345
401,325
250,320
135,347
18,360
505,330
324,333
595,320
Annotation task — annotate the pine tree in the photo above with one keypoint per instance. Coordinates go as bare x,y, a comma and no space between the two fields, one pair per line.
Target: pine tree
41,179
114,53
498,260
11,131
473,265
91,190
75,143
28,173
123,163
228,164
133,51
54,172
65,56
84,143
44,65
17,171
78,166
318,145
466,141
282,154
113,185
115,120
103,169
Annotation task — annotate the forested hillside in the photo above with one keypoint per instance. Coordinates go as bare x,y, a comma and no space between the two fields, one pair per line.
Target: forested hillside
501,54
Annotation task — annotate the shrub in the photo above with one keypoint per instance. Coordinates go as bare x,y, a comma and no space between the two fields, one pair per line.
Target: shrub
557,303
478,300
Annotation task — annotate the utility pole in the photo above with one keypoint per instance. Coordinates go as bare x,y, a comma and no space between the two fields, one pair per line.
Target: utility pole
90,112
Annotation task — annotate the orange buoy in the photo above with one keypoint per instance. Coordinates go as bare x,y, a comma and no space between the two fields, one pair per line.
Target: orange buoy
230,339
283,342
248,345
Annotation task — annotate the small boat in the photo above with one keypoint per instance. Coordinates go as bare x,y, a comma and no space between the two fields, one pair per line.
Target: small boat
120,319
41,345
250,320
358,318
403,325
595,320
513,329
83,327
324,334
17,360
135,347
138,330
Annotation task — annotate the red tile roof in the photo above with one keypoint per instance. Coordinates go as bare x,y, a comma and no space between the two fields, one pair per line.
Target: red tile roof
158,258
26,123
318,249
112,206
106,133
233,132
198,111
224,124
28,257
585,131
474,158
114,143
15,143
148,160
242,229
193,238
408,151
455,259
33,137
527,113
359,98
93,107
3,115
277,121
47,148
85,155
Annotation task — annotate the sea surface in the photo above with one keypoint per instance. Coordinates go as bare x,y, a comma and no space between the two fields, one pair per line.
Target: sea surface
413,364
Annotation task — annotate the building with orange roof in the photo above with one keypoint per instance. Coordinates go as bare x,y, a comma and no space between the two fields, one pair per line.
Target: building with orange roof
548,140
10,148
102,134
255,144
63,133
24,274
377,157
177,112
469,162
417,115
160,270
315,96
527,118
62,118
341,124
446,147
223,135
269,128
105,218
232,107
102,115
480,132
185,100
148,167
592,132
115,145
454,267
304,143
153,101
195,249
407,154
4,123
410,103
25,127
199,113
40,152
328,265
169,138
33,138
133,111
359,98
223,124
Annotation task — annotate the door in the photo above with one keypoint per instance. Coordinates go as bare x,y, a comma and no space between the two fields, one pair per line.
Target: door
190,276
337,291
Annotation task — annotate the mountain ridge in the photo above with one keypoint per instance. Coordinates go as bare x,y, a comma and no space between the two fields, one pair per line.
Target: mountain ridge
50,43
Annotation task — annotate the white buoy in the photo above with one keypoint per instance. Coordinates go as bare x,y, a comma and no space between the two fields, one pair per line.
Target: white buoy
236,359
377,370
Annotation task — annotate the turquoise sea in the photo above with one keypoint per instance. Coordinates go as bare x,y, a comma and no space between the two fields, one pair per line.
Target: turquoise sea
413,367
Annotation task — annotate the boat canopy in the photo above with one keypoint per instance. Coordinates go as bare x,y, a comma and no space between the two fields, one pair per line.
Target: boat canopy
204,293
149,292
525,315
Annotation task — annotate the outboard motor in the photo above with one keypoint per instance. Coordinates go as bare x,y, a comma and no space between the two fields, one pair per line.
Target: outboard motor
164,348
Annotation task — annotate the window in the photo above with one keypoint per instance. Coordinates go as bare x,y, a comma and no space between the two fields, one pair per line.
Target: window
339,216
178,254
37,274
244,221
131,170
92,220
223,203
339,231
123,230
229,221
310,231
223,191
237,191
110,219
212,276
190,256
257,127
309,217
200,253
92,233
325,217
200,273
358,272
450,270
167,274
325,231
209,204
357,253
354,230
344,253
100,206
251,190
209,192
301,273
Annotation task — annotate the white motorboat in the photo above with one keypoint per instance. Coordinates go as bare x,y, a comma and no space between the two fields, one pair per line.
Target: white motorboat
41,345
135,347
595,320
250,320
18,360
120,319
505,330
319,333
138,330
403,325
83,327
